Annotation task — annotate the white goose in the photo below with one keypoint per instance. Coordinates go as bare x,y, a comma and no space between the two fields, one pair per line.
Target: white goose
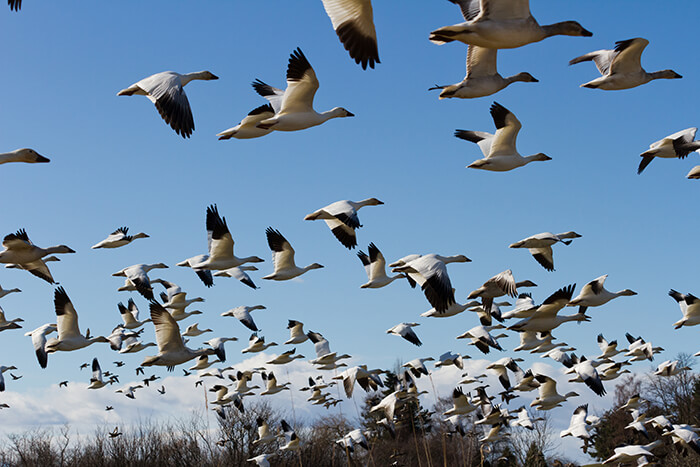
690,307
353,22
675,146
291,438
482,77
257,344
452,310
204,274
130,315
271,386
3,369
670,368
404,330
38,268
609,349
39,342
694,173
203,363
499,149
6,325
548,397
296,332
166,91
118,238
283,258
540,246
4,292
129,390
595,294
341,217
284,358
237,273
171,349
242,314
137,275
498,286
546,317
501,24
578,426
481,338
621,67
21,251
22,155
296,109
375,266
69,336
217,343
96,381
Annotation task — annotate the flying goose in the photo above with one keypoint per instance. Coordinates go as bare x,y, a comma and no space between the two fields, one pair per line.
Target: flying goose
296,109
193,331
22,155
296,332
631,454
389,404
595,294
133,345
39,342
548,397
540,246
237,273
449,358
640,350
204,275
283,258
3,369
430,272
621,67
69,336
501,366
166,91
96,381
262,460
130,315
248,127
481,338
367,379
678,145
178,302
264,433
609,349
353,22
341,218
578,426
257,344
499,149
217,343
585,369
129,390
119,237
612,370
4,292
670,368
375,266
271,386
690,307
685,438
6,325
482,77
404,330
284,358
546,317
460,404
291,438
498,286
323,350
532,340
242,313
21,251
452,310
524,419
499,24
171,349
137,275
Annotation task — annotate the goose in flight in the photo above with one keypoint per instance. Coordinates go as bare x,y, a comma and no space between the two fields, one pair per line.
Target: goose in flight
481,338
322,347
430,272
501,24
375,266
130,315
546,316
69,336
296,332
4,292
166,91
27,155
21,251
271,386
460,404
540,246
38,268
291,437
237,273
6,325
129,390
264,433
585,369
621,67
690,307
296,108
242,314
404,330
609,349
670,368
482,77
257,344
119,237
284,358
39,342
137,275
499,149
678,145
341,218
631,454
283,258
353,22
595,294
96,381
204,275
548,397
3,369
578,426
640,350
171,349
499,285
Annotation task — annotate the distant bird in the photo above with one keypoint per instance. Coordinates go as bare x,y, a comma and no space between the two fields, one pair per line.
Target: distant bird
353,22
685,438
7,325
670,368
690,307
108,408
449,358
130,315
609,349
595,294
137,275
585,369
271,386
69,336
118,238
4,292
217,344
296,332
694,173
96,381
460,404
404,330
262,460
296,109
242,314
284,358
481,338
27,155
524,419
283,258
202,363
238,273
499,150
631,453
678,145
257,344
129,390
39,342
291,437
341,217
621,67
482,78
546,318
548,397
166,91
639,349
115,433
264,433
499,285
375,266
15,377
367,379
578,426
161,390
323,350
193,331
3,369
119,364
540,246
63,384
452,310
21,251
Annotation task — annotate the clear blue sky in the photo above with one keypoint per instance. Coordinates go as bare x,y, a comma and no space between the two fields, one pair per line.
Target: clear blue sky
115,162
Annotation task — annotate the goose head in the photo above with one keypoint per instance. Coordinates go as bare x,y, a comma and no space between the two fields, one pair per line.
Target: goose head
524,77
28,155
141,235
313,266
339,112
665,74
61,249
626,293
566,28
540,156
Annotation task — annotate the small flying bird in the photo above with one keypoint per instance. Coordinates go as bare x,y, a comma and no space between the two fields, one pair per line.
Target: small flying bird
481,338
284,358
217,344
375,266
404,330
69,336
498,286
341,217
296,332
540,246
108,408
690,307
115,433
161,390
239,273
4,292
257,344
283,258
578,426
96,381
129,390
3,369
595,294
137,275
242,313
678,145
193,331
118,238
670,368
21,252
63,384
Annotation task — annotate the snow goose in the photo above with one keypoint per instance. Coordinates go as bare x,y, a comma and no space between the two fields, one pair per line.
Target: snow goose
685,438
524,307
493,435
264,433
322,347
296,110
22,155
548,397
404,330
237,273
481,338
499,149
39,342
130,315
632,403
367,379
137,275
129,390
449,358
204,274
482,77
375,266
193,331
637,423
38,268
178,302
532,340
171,349
119,237
595,294
585,369
670,368
247,128
133,345
690,307
69,336
296,332
460,404
417,366
498,286
283,258
389,404
271,386
341,218
3,369
546,317
284,358
257,344
559,355
291,437
501,366
96,381
217,343
497,24
540,246
21,251
430,272
609,349
242,314
678,145
578,427
353,22
179,315
631,454
640,350
612,370
621,67
166,91
524,419
7,325
263,460
4,292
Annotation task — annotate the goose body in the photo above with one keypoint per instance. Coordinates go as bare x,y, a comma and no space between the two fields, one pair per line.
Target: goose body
595,294
130,315
540,246
296,332
242,314
96,381
137,275
26,155
548,397
670,368
404,330
194,331
578,427
284,358
621,67
239,273
5,292
166,91
283,258
69,336
341,217
546,317
690,307
498,286
499,149
675,146
452,310
257,344
118,238
21,251
481,338
500,24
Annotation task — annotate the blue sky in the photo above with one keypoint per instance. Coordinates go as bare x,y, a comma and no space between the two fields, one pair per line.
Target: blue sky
115,162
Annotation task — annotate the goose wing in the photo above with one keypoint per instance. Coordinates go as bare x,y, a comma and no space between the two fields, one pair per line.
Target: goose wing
503,10
555,302
434,280
341,231
272,94
282,251
481,62
321,344
544,256
66,316
507,128
166,92
354,23
167,331
17,241
15,5
40,269
301,85
482,138
377,266
595,286
628,58
218,236
96,371
470,8
242,276
602,59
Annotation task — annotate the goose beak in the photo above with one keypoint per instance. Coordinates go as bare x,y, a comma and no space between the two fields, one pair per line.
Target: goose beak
350,114
586,33
40,158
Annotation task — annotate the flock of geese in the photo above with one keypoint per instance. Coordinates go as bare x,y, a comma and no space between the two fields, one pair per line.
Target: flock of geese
488,25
